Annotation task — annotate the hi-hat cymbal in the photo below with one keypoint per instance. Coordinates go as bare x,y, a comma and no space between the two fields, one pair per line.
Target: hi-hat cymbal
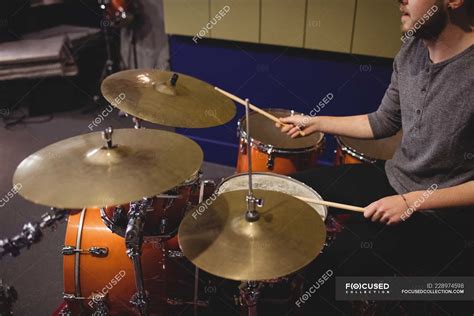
217,238
83,172
149,94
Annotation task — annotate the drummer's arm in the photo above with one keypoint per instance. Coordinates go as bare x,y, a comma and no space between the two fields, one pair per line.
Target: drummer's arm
397,208
455,196
357,126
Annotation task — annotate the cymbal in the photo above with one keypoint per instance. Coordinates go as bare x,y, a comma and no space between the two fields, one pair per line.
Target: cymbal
83,172
149,95
217,238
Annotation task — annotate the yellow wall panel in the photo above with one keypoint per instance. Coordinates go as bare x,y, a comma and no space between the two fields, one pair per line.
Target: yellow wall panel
240,23
377,28
329,25
283,22
185,17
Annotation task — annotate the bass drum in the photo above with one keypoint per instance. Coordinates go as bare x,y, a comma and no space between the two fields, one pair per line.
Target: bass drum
99,276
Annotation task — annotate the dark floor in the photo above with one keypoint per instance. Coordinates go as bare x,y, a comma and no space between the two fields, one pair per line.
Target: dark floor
37,273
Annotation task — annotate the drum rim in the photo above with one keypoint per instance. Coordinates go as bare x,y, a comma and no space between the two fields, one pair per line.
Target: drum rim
266,147
354,153
279,176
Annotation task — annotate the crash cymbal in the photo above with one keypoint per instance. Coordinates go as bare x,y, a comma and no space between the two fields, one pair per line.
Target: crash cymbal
83,172
154,96
217,238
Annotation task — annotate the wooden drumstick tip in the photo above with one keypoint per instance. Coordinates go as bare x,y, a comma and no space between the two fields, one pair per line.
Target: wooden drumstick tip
302,133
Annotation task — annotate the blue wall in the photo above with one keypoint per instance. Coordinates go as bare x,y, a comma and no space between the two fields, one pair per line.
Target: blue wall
275,76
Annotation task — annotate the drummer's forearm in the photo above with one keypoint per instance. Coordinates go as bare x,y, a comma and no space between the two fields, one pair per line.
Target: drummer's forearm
356,126
435,198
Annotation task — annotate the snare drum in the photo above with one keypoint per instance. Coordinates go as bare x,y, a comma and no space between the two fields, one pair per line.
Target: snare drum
165,211
274,151
278,295
99,276
352,150
273,182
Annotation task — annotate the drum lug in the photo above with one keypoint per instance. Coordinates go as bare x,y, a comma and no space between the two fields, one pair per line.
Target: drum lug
117,216
175,254
140,301
94,251
72,297
270,159
99,305
163,225
197,184
243,147
65,311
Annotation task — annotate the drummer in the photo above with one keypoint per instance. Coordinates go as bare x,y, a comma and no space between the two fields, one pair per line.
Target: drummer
427,189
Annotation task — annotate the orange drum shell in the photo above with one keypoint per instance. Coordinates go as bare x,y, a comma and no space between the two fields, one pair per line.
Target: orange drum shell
343,158
112,274
356,151
282,163
289,156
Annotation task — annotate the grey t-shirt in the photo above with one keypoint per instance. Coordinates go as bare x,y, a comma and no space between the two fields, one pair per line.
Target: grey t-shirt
434,105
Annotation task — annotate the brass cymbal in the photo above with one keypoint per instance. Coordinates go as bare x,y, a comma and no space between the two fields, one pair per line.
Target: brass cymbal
148,94
217,238
83,172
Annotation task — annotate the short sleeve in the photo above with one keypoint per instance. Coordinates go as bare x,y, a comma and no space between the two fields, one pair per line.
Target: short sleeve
387,120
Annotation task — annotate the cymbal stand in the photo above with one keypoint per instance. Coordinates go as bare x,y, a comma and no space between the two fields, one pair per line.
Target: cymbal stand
249,294
133,243
250,290
134,239
251,214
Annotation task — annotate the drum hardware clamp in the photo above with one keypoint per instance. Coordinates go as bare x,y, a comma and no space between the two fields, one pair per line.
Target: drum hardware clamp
98,304
31,233
94,251
133,244
271,159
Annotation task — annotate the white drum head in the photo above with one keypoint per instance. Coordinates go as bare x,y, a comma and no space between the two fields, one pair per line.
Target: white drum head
273,182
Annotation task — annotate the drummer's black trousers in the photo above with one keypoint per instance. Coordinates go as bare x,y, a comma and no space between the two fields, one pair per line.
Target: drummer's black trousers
427,244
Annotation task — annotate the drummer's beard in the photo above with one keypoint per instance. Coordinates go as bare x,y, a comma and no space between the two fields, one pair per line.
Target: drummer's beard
434,25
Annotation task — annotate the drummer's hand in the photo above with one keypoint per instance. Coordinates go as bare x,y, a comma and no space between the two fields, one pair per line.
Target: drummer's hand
297,123
389,210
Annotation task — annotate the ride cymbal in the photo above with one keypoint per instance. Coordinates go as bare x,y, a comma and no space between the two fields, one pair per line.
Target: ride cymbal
167,98
217,238
83,172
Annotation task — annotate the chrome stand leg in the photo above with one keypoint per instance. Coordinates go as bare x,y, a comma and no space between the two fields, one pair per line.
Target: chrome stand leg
250,293
133,243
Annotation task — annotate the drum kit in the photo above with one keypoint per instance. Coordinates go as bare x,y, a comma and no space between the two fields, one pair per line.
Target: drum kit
137,203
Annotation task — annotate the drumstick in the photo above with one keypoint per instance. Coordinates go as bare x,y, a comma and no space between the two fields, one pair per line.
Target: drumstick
255,108
332,204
